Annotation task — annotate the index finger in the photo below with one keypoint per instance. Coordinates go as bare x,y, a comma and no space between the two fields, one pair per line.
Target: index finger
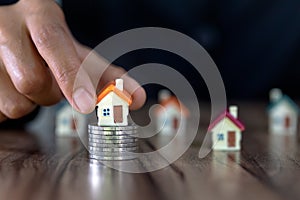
55,45
102,72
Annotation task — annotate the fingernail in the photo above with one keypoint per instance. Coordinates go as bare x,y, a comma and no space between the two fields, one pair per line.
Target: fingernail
83,100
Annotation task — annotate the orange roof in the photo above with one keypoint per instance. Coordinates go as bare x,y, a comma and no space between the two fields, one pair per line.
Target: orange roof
112,88
173,100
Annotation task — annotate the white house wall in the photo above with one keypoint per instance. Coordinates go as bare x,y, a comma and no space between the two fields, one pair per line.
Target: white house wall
224,126
161,121
277,119
81,125
66,114
165,117
109,101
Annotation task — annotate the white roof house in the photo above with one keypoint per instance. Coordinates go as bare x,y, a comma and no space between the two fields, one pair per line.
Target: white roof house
283,113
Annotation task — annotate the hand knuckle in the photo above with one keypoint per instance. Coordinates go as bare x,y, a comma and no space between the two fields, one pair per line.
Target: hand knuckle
2,117
17,110
48,35
64,76
49,8
4,37
119,71
30,85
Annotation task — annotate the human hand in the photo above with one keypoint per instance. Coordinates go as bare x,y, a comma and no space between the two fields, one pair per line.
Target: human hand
39,60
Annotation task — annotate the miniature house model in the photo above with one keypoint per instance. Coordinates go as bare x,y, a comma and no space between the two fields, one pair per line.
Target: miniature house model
69,122
113,105
283,113
227,131
171,115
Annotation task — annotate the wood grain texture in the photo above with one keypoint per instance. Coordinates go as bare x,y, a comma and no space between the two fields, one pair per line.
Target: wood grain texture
39,166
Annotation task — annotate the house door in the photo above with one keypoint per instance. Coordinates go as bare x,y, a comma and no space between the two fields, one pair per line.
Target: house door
231,139
287,122
73,124
175,123
118,114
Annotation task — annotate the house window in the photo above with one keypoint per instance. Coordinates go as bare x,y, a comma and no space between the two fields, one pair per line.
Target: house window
106,112
220,136
65,121
277,120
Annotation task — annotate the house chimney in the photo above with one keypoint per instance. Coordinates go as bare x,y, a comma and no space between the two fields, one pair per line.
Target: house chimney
163,95
233,110
275,94
119,84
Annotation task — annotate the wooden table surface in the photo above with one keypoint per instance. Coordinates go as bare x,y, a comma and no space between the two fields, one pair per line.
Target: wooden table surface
35,166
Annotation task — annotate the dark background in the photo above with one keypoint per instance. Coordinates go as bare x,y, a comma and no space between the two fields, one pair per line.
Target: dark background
255,44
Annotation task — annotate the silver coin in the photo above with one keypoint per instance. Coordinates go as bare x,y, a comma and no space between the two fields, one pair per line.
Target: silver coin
97,151
94,161
111,158
121,141
103,145
111,128
111,155
126,132
99,132
113,140
122,153
109,145
112,137
119,149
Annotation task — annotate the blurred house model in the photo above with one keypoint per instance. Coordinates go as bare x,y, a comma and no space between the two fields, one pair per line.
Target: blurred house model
171,115
69,122
227,131
283,113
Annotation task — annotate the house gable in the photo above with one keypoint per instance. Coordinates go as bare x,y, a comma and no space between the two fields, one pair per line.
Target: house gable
285,102
105,110
172,110
284,107
112,99
224,126
112,88
228,116
175,105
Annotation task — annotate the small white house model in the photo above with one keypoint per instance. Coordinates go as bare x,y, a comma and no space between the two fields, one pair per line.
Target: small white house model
227,131
171,115
283,113
69,122
113,105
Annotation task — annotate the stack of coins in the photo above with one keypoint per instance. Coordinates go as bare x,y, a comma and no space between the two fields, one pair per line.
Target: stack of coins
112,142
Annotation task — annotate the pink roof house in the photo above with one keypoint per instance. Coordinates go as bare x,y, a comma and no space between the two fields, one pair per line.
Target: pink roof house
227,131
